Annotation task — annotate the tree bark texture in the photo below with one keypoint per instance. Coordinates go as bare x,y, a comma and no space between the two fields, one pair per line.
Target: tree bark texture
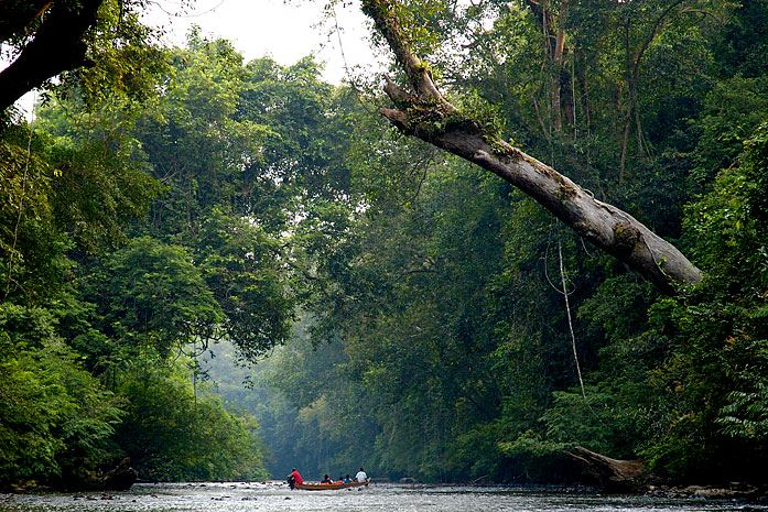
426,114
59,45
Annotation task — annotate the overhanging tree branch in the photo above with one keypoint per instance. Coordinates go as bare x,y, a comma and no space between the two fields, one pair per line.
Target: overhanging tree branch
59,45
17,15
424,112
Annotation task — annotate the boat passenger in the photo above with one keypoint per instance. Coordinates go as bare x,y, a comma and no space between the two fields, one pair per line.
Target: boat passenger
347,479
294,478
327,480
361,476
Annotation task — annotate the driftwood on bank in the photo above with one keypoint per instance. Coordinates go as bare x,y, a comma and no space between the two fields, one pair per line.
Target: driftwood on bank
422,111
613,475
121,478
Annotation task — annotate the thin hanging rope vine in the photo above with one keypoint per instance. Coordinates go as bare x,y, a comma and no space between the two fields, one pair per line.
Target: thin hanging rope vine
570,321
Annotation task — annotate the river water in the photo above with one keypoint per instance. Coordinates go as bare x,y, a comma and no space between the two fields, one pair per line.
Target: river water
276,497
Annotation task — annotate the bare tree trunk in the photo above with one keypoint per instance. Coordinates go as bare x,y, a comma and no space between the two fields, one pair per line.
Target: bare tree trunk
634,60
426,114
553,29
557,64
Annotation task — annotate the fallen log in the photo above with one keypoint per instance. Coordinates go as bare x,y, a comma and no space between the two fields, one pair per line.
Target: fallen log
613,475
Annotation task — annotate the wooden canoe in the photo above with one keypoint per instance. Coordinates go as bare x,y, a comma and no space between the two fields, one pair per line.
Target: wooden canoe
330,487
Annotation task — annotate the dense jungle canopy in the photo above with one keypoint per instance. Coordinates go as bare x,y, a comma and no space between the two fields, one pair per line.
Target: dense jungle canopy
223,269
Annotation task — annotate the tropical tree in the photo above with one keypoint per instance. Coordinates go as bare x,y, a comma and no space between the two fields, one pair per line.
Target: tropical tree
423,111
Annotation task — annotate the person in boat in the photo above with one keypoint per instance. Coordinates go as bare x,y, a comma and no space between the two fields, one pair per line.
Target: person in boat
327,480
361,476
294,478
347,479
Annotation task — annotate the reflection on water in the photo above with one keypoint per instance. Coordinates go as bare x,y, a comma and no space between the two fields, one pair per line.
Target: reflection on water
276,497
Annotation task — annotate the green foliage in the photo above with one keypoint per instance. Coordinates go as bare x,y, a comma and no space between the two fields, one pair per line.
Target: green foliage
733,110
153,295
240,265
417,21
310,122
576,420
710,382
126,60
746,416
172,433
169,199
32,250
534,458
315,420
738,52
732,218
465,355
192,138
56,421
101,183
80,183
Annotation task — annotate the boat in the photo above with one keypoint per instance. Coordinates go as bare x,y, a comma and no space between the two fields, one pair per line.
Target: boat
330,487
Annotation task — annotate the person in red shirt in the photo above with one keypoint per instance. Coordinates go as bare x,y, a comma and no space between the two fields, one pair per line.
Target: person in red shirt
294,478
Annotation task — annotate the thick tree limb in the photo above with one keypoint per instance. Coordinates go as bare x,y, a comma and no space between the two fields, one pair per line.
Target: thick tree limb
426,114
59,45
383,13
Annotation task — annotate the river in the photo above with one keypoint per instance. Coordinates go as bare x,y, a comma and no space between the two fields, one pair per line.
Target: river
276,497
